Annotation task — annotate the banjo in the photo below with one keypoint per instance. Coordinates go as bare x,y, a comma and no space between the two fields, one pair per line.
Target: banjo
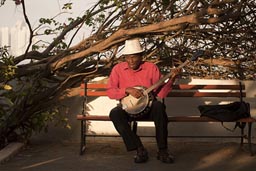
136,107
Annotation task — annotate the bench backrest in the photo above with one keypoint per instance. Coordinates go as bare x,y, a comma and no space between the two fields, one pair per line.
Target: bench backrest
181,90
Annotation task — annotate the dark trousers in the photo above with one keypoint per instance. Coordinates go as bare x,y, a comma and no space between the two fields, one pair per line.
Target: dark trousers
157,113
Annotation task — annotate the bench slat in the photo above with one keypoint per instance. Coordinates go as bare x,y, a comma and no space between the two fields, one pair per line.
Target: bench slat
196,87
94,85
94,93
205,94
176,94
202,119
170,118
93,117
178,87
181,90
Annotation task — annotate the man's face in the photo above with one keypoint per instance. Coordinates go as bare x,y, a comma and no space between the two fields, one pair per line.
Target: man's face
133,61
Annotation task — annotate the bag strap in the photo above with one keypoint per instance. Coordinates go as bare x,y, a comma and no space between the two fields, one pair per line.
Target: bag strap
241,125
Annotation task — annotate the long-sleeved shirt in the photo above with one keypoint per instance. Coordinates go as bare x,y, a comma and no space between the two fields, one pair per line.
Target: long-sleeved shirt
146,75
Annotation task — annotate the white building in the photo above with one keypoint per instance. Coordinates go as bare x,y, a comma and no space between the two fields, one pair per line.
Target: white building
16,38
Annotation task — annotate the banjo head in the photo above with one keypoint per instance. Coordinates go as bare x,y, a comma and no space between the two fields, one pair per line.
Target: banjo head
134,106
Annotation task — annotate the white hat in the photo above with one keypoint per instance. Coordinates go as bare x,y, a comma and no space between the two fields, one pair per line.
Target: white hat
132,46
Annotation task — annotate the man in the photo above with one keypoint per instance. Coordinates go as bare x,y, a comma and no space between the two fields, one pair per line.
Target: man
123,78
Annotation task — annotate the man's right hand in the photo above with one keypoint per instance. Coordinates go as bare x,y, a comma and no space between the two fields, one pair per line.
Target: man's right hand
137,93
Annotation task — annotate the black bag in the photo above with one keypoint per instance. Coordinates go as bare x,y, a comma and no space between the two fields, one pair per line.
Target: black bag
227,112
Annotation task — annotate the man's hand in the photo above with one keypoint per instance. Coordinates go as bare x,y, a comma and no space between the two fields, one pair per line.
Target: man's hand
137,93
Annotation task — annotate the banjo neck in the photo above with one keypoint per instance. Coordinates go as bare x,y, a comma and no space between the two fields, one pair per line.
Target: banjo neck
167,76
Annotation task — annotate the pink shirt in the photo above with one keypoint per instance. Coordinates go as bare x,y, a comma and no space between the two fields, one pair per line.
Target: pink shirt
122,77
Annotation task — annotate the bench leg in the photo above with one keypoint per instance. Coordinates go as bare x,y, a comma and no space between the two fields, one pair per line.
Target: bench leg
134,126
250,138
242,133
83,137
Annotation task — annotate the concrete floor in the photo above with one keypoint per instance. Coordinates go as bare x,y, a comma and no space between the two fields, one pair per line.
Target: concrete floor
110,155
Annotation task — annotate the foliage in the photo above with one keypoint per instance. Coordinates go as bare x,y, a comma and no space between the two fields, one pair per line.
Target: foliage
170,32
15,100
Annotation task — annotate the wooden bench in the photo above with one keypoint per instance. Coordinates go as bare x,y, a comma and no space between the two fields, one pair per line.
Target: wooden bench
181,90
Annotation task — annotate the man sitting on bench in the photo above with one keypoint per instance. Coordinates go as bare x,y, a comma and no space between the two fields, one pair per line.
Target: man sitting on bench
122,83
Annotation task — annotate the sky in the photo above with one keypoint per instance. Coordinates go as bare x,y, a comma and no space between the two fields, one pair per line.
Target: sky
36,9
